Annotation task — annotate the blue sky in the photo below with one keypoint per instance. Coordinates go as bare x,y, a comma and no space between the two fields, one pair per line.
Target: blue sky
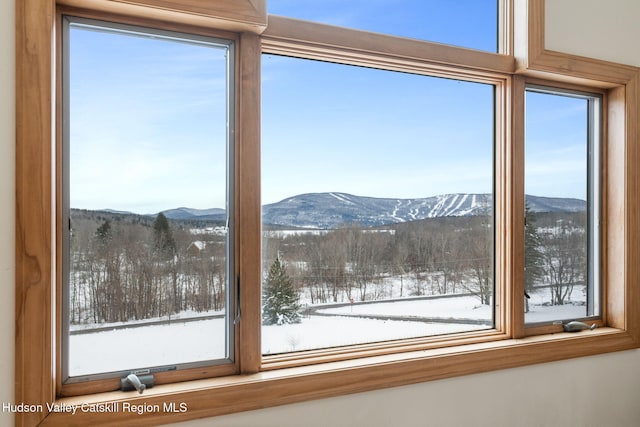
556,145
148,123
329,127
148,117
467,23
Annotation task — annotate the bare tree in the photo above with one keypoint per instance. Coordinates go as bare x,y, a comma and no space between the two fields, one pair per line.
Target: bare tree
565,259
533,256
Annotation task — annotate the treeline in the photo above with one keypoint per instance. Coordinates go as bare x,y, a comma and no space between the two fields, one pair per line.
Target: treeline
124,267
428,257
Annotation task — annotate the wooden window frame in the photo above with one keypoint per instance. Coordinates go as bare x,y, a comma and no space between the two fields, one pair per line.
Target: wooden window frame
82,387
314,41
290,381
548,326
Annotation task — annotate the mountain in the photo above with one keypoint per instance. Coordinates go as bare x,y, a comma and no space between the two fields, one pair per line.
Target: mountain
328,210
115,211
555,204
200,214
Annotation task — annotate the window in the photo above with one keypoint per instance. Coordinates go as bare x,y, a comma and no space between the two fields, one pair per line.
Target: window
147,149
301,375
467,23
562,186
377,191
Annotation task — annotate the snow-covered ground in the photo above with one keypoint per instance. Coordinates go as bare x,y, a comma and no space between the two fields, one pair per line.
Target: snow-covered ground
466,307
146,346
322,332
540,310
184,342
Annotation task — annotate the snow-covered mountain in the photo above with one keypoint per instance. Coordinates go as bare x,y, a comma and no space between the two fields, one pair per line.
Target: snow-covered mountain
328,210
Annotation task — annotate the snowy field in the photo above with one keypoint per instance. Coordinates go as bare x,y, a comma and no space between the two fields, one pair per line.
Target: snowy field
183,342
540,311
145,346
466,307
321,332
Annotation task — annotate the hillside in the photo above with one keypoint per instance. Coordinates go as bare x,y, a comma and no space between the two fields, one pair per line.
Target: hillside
329,210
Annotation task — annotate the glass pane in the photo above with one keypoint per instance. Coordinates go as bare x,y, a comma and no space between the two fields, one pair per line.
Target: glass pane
559,277
378,215
467,23
146,172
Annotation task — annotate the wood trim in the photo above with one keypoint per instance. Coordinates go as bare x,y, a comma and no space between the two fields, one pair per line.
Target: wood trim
535,60
581,69
616,209
229,15
535,27
330,355
144,21
505,200
34,357
182,375
336,44
632,277
249,204
515,151
624,135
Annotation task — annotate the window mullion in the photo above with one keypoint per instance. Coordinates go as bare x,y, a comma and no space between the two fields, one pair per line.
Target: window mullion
514,152
248,217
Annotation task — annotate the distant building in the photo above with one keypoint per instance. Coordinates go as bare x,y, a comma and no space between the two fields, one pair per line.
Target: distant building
196,248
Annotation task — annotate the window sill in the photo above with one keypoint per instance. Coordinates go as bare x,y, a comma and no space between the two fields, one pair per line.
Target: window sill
212,397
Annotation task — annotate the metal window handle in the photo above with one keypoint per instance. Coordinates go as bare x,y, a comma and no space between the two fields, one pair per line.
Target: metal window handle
576,326
132,381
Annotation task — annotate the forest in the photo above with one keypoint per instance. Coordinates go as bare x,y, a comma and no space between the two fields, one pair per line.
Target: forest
132,267
124,267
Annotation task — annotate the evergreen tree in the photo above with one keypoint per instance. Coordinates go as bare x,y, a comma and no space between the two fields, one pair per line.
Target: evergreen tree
280,303
164,243
103,238
533,256
103,233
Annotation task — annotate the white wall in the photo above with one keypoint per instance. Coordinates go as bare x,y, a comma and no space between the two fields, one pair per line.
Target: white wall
608,30
595,391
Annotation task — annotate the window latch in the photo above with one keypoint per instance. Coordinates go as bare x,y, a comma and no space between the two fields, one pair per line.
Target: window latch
575,326
134,382
236,320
